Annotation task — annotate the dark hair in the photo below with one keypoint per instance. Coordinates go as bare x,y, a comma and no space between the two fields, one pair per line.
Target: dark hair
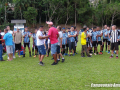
74,27
84,29
45,33
41,26
6,29
94,28
59,27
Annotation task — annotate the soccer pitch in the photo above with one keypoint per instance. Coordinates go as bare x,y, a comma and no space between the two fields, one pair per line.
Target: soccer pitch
76,73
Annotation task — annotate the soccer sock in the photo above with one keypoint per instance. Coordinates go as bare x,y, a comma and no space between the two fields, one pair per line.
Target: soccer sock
94,51
63,58
30,53
102,47
116,55
111,54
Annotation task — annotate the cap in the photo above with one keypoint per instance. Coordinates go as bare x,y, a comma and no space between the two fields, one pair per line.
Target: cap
49,23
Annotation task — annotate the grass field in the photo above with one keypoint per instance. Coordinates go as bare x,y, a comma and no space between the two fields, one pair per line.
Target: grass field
76,73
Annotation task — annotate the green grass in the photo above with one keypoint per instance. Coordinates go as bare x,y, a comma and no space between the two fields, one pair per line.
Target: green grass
74,74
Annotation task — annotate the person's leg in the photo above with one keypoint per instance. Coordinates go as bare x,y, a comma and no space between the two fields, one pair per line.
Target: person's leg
73,44
24,49
85,49
1,51
39,57
13,50
29,50
106,45
33,50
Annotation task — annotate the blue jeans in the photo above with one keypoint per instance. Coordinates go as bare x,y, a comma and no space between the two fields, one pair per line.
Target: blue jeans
1,51
54,48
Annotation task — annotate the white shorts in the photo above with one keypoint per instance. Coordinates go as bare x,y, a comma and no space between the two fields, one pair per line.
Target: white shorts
9,49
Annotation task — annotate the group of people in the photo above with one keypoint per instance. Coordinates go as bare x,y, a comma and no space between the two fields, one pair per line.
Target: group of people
60,41
91,38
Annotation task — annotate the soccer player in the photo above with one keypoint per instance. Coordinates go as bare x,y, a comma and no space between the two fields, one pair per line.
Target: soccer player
94,40
40,44
72,36
108,38
99,41
104,38
26,41
114,41
34,44
59,45
1,48
64,41
18,40
83,43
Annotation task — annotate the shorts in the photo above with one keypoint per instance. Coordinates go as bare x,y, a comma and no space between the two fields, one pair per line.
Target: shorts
89,44
94,44
18,46
114,46
118,42
99,43
9,49
75,43
41,50
63,46
104,40
108,42
26,44
58,49
67,45
71,45
54,48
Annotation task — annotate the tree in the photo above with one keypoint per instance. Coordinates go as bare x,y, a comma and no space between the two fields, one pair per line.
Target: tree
30,15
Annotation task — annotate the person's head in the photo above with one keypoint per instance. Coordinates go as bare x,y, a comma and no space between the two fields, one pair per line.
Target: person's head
5,30
59,28
41,28
8,28
68,29
63,29
105,26
18,29
72,28
50,24
94,28
113,27
75,28
26,29
98,28
85,30
108,28
35,30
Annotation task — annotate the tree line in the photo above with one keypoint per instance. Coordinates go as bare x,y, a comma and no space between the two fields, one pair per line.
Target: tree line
84,12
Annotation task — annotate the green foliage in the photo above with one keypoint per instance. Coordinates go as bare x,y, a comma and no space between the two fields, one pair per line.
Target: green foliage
2,27
30,14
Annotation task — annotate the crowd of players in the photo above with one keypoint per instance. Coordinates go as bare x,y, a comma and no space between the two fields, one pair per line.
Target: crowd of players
60,42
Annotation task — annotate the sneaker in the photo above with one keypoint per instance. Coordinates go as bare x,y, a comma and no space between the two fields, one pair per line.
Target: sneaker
54,63
89,56
100,53
52,58
8,58
35,56
14,57
116,57
83,56
94,53
41,63
58,60
73,54
63,60
111,56
109,52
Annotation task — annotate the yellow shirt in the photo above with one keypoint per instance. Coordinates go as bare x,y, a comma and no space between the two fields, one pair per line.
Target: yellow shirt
83,38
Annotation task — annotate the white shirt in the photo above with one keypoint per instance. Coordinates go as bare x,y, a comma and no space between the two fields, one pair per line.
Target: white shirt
39,41
60,36
10,31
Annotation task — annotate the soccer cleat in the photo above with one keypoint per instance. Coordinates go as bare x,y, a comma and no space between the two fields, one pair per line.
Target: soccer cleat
116,57
94,53
111,56
100,53
89,56
52,58
54,63
41,63
14,57
109,52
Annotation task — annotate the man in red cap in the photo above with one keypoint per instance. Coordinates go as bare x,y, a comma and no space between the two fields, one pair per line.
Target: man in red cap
53,35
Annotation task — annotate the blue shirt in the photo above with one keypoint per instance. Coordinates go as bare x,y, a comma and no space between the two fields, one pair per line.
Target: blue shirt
72,39
26,38
94,36
35,40
99,33
67,37
104,33
64,39
8,39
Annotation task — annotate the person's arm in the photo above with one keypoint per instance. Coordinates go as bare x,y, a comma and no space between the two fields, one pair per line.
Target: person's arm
2,40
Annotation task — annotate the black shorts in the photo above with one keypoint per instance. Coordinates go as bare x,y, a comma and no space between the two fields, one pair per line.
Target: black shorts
114,46
63,46
26,44
108,42
18,46
94,44
58,49
99,43
36,48
118,42
89,44
71,45
104,40
67,45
